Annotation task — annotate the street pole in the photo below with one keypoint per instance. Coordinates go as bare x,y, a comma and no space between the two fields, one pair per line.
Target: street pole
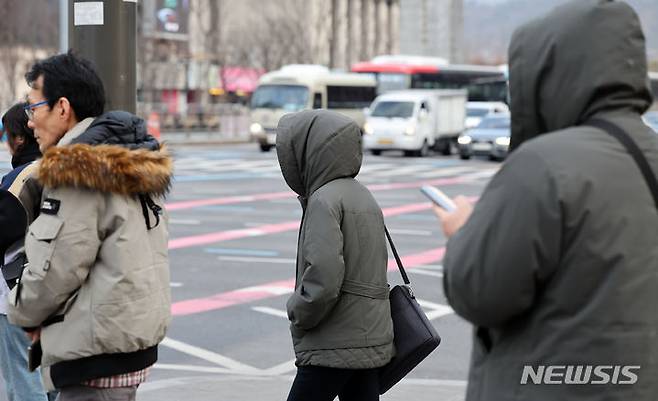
63,26
105,32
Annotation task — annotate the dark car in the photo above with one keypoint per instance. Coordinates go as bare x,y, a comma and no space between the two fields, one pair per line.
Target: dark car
490,138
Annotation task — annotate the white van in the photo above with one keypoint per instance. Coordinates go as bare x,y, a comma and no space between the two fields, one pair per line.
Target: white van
299,87
415,121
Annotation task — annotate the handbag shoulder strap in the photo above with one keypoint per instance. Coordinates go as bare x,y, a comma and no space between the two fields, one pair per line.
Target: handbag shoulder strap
633,149
405,278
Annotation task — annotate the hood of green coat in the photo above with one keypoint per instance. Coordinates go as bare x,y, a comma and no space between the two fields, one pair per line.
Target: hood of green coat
584,57
315,147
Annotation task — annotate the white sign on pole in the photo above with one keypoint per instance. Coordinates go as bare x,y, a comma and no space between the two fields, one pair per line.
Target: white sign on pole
88,13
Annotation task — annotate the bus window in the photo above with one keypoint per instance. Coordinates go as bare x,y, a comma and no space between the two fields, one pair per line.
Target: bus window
444,80
286,97
317,101
488,91
391,82
350,97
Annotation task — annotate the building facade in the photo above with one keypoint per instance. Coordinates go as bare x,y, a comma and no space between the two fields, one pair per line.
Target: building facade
432,28
348,31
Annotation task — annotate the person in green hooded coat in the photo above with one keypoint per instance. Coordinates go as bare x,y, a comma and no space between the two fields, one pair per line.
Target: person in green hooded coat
557,264
339,313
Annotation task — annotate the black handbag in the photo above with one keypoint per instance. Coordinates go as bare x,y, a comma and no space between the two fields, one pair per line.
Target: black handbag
414,336
13,270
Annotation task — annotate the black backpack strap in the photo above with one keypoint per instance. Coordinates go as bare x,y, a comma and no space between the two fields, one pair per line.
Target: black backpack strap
633,149
405,278
148,204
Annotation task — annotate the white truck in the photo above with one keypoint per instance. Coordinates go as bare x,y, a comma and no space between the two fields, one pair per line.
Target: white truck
415,121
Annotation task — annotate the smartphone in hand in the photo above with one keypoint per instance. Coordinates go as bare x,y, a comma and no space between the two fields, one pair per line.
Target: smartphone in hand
34,354
438,198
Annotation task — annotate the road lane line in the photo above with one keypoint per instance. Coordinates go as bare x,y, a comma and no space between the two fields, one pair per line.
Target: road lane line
221,236
192,368
426,273
435,314
209,356
241,252
436,310
257,260
184,222
271,311
281,369
289,194
278,288
425,233
229,200
231,298
196,240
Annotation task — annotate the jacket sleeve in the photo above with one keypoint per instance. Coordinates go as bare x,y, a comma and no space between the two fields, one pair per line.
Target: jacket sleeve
61,246
13,221
20,195
509,246
322,278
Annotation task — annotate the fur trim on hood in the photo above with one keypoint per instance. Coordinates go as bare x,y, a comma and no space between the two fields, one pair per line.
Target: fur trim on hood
107,168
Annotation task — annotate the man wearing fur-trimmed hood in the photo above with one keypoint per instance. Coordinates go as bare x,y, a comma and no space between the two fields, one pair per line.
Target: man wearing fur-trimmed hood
96,290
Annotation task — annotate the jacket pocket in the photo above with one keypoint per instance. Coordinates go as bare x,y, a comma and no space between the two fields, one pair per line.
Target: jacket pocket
132,324
40,243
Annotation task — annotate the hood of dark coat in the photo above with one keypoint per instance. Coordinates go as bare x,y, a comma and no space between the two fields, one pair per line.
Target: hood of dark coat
585,57
118,128
315,147
107,168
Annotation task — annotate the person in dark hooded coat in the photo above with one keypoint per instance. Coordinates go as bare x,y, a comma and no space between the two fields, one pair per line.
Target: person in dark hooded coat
340,317
557,264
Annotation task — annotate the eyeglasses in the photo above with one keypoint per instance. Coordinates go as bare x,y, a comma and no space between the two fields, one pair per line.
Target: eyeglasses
29,109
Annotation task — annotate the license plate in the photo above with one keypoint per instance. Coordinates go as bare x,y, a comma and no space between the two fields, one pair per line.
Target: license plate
385,141
482,146
271,139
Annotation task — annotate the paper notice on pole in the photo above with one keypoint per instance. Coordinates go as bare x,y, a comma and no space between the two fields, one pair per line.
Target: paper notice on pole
88,13
130,1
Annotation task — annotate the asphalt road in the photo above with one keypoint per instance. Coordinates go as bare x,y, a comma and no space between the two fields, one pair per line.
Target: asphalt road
233,231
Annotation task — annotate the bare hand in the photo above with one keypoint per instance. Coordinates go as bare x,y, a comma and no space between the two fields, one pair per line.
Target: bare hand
34,335
451,222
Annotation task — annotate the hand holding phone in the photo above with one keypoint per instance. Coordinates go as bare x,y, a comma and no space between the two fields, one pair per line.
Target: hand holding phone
34,354
438,198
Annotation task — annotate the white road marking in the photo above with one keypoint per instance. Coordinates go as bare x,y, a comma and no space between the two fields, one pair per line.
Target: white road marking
426,233
422,272
435,314
269,289
234,366
445,171
247,259
174,284
430,267
281,369
271,311
196,380
184,222
436,310
191,368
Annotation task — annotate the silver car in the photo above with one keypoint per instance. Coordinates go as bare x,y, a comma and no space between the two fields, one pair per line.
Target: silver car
490,138
651,119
